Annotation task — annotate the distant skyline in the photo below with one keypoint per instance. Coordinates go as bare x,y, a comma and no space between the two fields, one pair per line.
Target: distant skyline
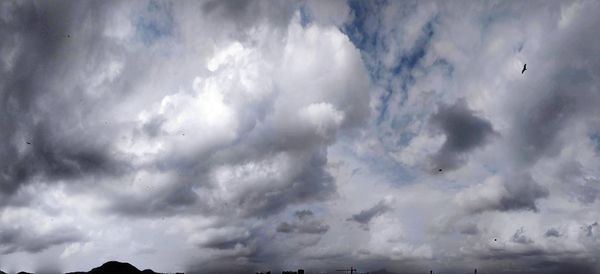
243,136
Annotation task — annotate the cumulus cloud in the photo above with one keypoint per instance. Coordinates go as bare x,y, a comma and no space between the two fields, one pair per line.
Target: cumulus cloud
253,135
552,232
520,237
23,240
365,216
518,192
464,132
305,223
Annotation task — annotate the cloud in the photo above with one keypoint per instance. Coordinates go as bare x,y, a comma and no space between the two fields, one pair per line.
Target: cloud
514,193
577,183
464,132
40,136
469,229
305,223
253,135
19,240
520,238
223,238
552,232
365,216
589,229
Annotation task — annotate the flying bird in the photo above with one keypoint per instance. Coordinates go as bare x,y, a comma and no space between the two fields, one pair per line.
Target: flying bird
28,143
524,68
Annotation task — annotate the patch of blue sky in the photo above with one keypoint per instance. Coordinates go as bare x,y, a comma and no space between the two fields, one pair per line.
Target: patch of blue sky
595,137
392,170
154,22
409,60
382,164
406,63
363,30
364,34
399,123
305,16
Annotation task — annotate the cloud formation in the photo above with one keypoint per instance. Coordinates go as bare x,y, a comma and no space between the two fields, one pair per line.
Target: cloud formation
463,131
229,136
366,215
305,222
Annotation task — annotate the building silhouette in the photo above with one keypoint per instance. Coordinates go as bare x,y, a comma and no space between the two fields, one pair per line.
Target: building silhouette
300,271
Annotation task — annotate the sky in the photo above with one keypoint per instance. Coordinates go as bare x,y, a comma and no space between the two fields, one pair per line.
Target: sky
244,136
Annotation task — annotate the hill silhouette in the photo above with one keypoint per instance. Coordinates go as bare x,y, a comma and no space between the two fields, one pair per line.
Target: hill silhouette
112,267
115,268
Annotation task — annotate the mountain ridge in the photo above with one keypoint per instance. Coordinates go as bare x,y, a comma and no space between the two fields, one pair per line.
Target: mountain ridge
110,267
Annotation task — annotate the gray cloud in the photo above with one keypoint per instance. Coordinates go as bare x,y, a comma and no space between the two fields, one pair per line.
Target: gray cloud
226,239
305,223
523,192
520,237
516,192
583,187
38,137
559,96
365,216
552,232
589,230
193,126
469,229
464,132
18,240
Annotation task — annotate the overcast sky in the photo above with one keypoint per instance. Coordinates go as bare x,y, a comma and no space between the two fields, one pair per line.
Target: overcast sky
248,136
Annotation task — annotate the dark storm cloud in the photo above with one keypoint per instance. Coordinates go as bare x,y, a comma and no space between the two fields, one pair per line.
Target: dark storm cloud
302,214
153,128
559,97
49,156
305,223
22,240
38,135
584,188
540,124
173,199
307,227
243,14
311,182
514,193
523,192
552,232
53,129
285,227
589,230
307,181
464,132
365,216
469,229
536,262
520,237
226,241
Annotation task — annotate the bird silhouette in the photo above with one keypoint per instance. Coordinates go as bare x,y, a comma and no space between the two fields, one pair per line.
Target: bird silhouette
524,68
29,143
